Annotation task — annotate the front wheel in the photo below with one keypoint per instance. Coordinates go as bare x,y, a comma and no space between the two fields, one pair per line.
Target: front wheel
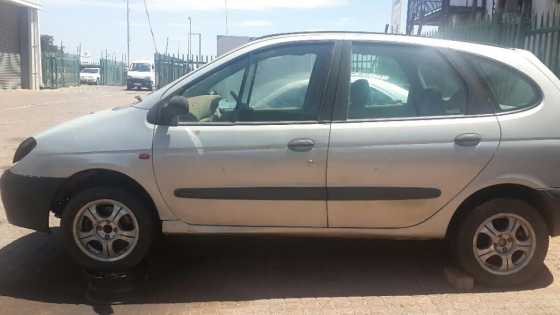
502,242
108,229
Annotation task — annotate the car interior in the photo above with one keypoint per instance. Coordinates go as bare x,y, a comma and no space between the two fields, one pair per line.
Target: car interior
429,94
263,90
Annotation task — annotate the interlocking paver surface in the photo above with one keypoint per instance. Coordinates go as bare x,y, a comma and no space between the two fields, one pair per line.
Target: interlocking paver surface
234,275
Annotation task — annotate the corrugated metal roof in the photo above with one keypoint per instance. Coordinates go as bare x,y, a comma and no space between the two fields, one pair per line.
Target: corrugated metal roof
36,4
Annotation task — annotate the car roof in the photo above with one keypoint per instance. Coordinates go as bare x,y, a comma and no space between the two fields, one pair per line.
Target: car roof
507,55
479,49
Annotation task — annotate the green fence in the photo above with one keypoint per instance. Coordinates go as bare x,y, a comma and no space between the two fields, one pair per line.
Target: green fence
113,72
60,69
171,67
364,63
538,34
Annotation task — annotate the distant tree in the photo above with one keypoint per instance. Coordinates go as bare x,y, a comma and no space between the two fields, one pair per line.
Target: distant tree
48,45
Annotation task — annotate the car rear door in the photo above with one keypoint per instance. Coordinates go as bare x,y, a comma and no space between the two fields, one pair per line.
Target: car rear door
416,129
257,154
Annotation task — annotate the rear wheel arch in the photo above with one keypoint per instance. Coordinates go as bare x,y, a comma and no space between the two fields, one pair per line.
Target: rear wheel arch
98,178
511,191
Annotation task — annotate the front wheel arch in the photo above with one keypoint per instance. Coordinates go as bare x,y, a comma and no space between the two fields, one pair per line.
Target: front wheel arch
98,178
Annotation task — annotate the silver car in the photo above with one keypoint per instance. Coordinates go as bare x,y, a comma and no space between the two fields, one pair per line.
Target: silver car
323,134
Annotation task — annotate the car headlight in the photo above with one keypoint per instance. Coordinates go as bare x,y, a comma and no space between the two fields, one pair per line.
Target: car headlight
148,78
24,149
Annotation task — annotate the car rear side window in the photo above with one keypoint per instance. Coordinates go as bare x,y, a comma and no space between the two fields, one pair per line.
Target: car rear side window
511,89
392,81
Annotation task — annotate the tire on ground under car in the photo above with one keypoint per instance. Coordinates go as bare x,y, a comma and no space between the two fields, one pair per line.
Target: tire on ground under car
462,241
147,224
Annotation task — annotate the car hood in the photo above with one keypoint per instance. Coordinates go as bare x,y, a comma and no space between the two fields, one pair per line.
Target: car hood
118,129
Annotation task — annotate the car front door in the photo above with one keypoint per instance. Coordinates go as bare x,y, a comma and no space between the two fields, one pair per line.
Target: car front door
413,134
255,154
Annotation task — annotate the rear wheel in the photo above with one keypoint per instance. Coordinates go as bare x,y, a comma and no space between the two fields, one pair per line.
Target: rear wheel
502,242
108,229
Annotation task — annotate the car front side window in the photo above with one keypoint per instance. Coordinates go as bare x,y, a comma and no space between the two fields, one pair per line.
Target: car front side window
282,85
213,98
275,85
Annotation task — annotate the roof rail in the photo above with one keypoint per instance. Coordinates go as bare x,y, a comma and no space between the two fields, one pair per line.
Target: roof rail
331,32
374,33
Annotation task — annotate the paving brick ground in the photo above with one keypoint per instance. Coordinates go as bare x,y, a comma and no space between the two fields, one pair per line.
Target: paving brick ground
234,275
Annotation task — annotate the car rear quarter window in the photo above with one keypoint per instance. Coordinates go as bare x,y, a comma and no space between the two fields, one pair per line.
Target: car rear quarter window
511,89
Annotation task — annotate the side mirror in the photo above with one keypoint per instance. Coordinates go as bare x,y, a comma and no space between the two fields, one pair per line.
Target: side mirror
171,110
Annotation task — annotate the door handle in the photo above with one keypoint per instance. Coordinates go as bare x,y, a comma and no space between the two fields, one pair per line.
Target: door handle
301,145
468,139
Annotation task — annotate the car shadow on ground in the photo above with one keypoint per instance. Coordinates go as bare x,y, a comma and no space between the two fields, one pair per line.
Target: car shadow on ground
207,268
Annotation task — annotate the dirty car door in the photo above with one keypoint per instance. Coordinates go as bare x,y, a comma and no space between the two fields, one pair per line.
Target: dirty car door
414,133
256,156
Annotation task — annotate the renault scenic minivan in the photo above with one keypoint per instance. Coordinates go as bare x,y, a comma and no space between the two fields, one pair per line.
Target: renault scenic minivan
323,134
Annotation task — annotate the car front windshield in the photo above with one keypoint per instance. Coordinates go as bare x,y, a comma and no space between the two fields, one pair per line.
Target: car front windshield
142,67
90,70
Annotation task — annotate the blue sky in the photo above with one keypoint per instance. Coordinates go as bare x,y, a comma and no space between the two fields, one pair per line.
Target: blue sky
101,24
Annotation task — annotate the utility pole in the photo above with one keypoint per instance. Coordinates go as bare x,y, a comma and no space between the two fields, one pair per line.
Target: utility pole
199,43
127,34
227,26
189,37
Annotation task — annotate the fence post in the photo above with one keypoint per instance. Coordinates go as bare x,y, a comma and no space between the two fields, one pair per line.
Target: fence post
556,44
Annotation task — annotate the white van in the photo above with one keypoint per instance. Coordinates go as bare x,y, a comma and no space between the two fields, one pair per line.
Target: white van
90,76
141,74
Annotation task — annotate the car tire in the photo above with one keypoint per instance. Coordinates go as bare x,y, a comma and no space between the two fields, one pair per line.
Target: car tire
519,239
135,219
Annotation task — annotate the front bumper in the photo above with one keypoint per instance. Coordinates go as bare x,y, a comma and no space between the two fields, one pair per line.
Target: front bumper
139,82
88,80
27,200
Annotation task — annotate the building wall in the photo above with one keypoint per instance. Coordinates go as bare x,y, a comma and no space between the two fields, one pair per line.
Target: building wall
544,6
538,7
396,16
20,50
33,47
10,56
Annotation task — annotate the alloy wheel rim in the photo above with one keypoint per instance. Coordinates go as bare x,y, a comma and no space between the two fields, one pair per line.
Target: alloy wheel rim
504,244
106,230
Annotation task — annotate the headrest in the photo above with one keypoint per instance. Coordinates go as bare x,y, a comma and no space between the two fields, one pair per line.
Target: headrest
359,92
